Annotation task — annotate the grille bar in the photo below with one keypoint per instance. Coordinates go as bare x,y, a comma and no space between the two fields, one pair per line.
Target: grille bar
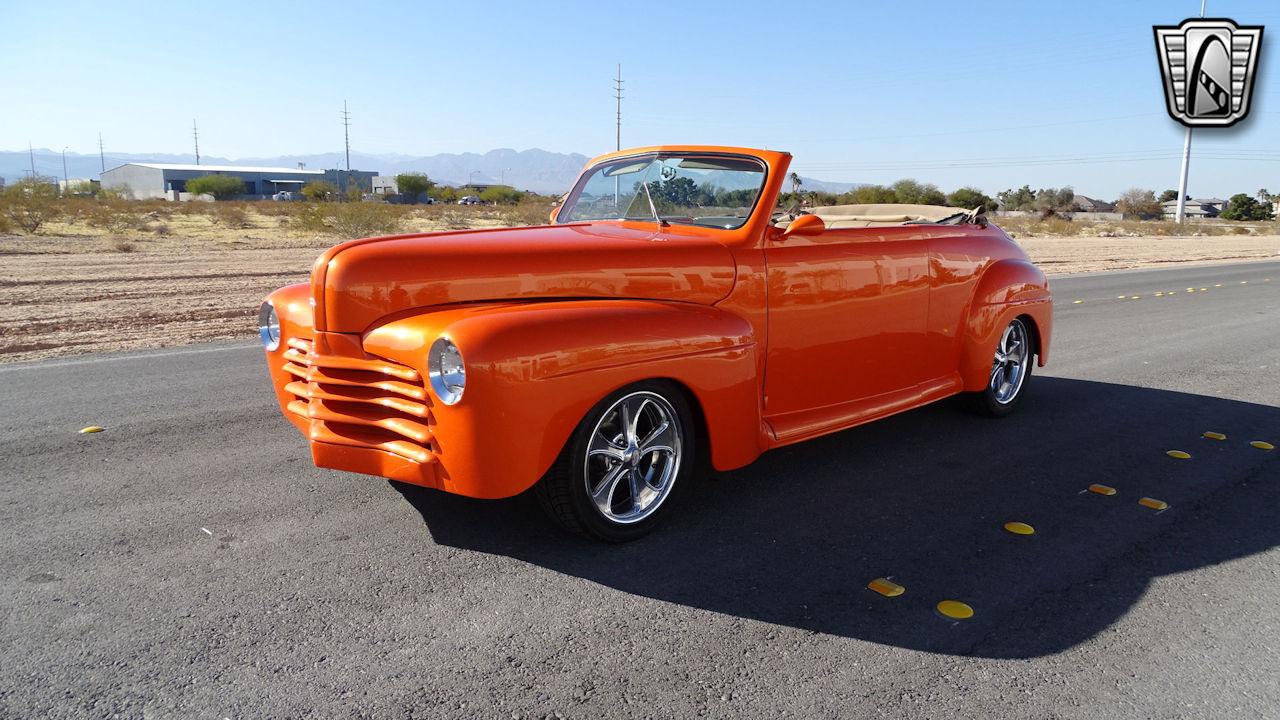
360,402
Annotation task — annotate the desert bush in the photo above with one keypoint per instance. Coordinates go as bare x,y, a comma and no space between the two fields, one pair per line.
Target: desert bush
532,211
122,245
221,187
319,191
352,219
29,204
501,195
1140,204
231,216
116,216
162,229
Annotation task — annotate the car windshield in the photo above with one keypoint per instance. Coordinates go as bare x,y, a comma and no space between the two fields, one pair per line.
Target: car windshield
707,190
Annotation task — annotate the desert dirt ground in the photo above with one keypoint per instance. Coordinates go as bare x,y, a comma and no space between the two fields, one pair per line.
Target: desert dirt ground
71,294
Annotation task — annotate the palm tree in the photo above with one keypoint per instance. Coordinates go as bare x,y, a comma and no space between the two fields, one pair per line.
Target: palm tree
795,184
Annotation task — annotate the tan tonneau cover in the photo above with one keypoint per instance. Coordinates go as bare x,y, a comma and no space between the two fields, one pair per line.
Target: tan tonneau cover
847,216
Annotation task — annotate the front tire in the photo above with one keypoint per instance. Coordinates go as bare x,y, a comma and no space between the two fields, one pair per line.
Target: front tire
1010,370
625,462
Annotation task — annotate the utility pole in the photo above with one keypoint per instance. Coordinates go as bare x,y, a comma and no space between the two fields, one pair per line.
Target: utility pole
195,135
32,154
346,132
66,182
1186,157
101,155
617,95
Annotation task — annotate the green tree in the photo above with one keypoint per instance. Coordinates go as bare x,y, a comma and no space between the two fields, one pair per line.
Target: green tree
1051,201
220,187
1244,207
970,198
413,184
30,203
916,193
869,195
1140,204
501,195
319,191
1021,199
1168,195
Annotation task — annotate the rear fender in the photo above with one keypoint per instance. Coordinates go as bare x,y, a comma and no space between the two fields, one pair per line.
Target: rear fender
535,369
1008,289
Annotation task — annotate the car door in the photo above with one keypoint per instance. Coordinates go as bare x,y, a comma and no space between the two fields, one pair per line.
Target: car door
847,319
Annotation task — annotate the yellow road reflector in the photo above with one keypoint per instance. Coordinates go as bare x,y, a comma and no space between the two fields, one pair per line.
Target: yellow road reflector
92,429
1244,282
886,588
1263,445
1191,289
1019,528
1153,503
1215,435
1122,297
1135,297
1217,284
955,610
1204,289
1179,454
1076,302
1159,294
1102,489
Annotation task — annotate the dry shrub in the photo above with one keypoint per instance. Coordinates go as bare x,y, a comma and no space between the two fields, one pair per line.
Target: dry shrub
229,215
531,211
162,229
29,204
122,245
115,216
352,219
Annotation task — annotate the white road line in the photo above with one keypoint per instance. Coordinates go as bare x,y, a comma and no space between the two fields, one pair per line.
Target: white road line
112,358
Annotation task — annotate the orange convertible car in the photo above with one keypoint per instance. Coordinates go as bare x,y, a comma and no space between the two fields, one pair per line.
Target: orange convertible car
670,317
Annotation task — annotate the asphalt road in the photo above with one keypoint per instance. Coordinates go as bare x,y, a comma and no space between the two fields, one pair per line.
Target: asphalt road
189,561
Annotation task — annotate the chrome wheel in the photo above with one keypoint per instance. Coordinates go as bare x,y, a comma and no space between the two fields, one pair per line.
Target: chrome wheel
1009,368
633,457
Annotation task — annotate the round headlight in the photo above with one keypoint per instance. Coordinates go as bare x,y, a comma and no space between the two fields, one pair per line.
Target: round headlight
269,326
446,372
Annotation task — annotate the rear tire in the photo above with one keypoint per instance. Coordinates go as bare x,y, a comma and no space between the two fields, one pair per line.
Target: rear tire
624,465
1010,370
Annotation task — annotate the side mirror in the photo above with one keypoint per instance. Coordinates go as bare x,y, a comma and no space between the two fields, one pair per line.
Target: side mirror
805,225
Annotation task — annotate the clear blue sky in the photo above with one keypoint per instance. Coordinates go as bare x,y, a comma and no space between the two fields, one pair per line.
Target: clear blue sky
994,94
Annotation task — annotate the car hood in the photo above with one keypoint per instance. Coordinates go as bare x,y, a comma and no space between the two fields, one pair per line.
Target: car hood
358,283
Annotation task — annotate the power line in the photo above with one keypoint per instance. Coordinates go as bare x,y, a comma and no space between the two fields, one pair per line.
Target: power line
32,154
101,155
195,135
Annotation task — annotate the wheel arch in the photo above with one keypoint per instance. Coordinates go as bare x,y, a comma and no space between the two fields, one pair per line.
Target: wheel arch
545,365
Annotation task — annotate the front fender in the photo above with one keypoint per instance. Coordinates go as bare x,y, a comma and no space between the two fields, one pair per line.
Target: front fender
1008,289
535,369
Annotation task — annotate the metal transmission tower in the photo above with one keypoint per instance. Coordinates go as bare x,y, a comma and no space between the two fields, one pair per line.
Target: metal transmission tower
32,154
195,135
617,95
346,132
102,157
1186,162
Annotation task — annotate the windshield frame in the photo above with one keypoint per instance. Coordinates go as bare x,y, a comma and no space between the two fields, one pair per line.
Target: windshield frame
654,155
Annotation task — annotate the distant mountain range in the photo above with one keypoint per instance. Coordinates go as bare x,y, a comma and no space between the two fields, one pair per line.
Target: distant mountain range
537,170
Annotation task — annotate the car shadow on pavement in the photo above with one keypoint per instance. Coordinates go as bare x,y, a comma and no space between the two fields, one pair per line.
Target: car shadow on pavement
922,498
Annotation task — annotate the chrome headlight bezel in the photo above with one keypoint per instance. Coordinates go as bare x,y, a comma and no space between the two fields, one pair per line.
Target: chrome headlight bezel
446,371
269,326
